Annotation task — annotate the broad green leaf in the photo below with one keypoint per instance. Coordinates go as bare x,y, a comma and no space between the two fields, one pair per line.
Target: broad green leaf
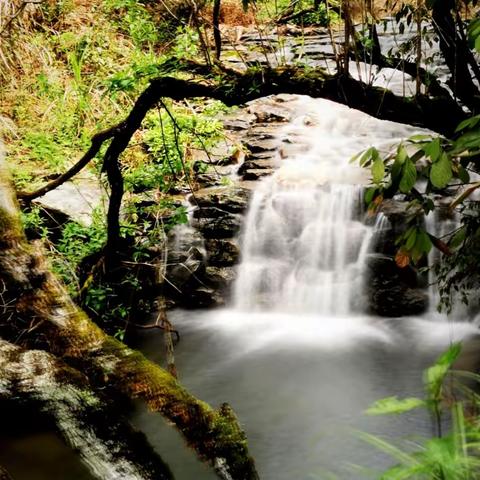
463,174
401,154
394,405
409,176
411,239
435,375
433,149
420,138
369,194
378,170
468,123
423,243
469,140
441,172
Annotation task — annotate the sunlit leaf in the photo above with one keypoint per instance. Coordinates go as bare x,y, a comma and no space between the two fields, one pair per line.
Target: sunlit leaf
394,405
378,170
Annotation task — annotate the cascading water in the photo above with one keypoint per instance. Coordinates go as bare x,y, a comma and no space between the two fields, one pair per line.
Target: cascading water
305,239
303,249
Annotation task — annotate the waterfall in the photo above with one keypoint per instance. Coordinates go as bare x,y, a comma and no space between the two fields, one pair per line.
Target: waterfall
304,249
305,240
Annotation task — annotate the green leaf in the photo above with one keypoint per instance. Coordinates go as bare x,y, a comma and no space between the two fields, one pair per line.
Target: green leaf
394,405
423,243
468,123
448,357
463,174
441,172
378,170
420,138
369,194
411,239
435,375
402,154
433,149
409,176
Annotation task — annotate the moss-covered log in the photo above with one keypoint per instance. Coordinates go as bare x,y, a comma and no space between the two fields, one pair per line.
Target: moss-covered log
36,312
40,382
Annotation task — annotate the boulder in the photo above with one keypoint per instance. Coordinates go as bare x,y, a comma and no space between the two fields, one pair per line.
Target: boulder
220,278
256,144
256,174
222,252
233,199
225,226
76,199
393,291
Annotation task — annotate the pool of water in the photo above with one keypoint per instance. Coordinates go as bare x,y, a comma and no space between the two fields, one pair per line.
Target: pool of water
301,390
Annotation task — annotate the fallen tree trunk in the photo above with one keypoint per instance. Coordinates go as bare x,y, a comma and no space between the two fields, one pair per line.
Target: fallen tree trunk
36,312
40,382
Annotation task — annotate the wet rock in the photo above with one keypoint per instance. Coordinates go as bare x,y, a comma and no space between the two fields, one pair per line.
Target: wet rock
226,226
265,131
208,179
393,291
267,112
258,144
238,121
203,297
233,199
260,164
222,154
256,174
220,278
186,258
222,252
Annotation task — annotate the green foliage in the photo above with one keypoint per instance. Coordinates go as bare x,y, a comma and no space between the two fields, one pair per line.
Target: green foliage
474,34
135,20
392,405
33,222
449,456
423,170
321,17
75,244
169,140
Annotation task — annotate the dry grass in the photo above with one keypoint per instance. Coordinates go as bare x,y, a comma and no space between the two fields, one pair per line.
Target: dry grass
232,14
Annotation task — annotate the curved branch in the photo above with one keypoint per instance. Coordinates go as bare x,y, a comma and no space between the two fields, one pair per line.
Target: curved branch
97,141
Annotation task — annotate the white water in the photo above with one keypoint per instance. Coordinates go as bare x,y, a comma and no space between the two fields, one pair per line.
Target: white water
305,239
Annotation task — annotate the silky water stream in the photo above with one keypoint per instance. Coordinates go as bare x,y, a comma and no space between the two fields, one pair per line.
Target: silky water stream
295,354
